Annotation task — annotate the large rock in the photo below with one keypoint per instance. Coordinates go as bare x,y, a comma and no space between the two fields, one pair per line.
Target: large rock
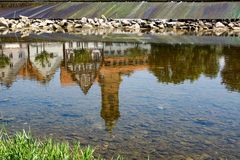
63,23
57,27
125,22
236,28
161,26
231,25
87,26
116,24
84,20
2,28
49,21
136,26
91,21
3,22
219,25
78,25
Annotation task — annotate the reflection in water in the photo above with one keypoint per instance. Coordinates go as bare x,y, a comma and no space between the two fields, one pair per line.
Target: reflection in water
87,62
153,115
231,72
177,63
83,66
110,78
110,83
84,63
16,54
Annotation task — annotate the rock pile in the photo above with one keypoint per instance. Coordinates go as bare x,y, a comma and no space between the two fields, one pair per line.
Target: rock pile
25,26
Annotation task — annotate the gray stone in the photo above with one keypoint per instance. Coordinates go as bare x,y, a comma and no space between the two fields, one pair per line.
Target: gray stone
84,20
87,26
125,22
161,26
3,22
49,22
78,26
219,25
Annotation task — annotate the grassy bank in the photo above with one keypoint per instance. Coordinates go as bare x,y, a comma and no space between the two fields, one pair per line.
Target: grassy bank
23,146
129,10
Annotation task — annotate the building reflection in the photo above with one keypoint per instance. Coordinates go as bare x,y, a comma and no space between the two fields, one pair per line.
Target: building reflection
86,63
42,61
81,64
111,72
12,58
105,63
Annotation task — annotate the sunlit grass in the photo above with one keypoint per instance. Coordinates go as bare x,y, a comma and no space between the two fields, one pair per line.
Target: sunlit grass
22,146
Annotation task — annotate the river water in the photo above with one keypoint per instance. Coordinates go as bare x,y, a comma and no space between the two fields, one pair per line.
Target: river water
139,100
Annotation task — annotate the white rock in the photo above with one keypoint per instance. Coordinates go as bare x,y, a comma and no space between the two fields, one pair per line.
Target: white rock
180,23
19,25
161,26
236,28
84,20
63,22
231,25
78,26
136,26
116,24
23,17
91,21
219,25
57,26
3,22
125,22
49,21
2,27
87,26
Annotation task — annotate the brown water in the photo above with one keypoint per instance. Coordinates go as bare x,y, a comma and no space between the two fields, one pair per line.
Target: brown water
139,100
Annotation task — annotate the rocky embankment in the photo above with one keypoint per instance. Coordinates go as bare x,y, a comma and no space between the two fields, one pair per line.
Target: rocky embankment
26,26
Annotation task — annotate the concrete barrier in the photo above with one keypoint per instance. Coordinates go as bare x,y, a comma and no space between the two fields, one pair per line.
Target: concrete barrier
146,10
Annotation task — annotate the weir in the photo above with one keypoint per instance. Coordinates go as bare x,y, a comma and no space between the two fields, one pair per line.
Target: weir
147,10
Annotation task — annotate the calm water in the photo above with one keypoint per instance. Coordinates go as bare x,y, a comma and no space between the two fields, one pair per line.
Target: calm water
137,100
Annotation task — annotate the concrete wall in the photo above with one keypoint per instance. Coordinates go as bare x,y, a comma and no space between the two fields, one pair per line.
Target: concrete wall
163,10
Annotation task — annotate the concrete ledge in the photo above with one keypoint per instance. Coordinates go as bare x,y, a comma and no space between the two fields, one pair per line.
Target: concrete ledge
145,10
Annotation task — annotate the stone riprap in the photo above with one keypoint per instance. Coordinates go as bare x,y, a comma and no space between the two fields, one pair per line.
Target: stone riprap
26,26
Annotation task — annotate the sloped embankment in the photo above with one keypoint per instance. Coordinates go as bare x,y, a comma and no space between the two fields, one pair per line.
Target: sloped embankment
131,10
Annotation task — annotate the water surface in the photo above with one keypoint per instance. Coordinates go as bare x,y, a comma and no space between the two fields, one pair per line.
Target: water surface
165,101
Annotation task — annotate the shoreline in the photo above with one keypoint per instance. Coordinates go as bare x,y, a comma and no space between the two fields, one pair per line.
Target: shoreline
26,26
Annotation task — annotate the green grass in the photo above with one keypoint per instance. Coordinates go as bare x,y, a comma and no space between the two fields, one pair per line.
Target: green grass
22,146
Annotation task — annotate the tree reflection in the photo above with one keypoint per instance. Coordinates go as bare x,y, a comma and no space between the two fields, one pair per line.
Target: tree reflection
136,52
231,71
177,63
43,58
81,56
4,60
